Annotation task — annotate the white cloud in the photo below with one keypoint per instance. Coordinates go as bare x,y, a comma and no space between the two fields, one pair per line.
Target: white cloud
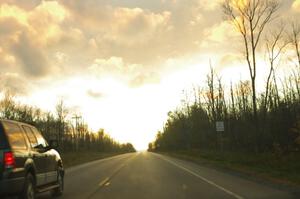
7,11
221,32
210,4
103,65
296,5
14,83
133,75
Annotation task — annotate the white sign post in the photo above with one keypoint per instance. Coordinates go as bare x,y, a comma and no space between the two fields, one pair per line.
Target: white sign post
220,126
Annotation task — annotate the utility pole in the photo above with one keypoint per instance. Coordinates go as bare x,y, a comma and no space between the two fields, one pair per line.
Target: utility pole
76,117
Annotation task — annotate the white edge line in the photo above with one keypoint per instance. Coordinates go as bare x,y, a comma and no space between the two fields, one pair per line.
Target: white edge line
204,179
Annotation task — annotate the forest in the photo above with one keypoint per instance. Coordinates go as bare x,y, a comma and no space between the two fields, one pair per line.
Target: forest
70,131
255,120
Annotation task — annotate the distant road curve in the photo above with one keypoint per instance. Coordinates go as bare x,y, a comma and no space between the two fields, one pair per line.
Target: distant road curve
147,175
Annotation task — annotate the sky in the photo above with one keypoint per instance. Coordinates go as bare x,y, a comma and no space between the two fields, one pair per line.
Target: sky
121,64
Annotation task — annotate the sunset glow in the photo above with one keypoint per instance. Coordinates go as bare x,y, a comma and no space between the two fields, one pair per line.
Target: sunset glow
122,65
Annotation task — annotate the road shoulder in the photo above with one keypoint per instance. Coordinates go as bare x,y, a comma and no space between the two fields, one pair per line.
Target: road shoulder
253,176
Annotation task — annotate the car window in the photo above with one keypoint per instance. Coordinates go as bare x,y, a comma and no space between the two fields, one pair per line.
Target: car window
15,135
3,143
39,137
32,139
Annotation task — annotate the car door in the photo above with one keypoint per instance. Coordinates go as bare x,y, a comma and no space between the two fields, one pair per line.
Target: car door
50,169
19,146
39,157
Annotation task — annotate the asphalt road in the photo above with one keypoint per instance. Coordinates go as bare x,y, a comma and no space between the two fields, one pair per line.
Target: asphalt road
152,176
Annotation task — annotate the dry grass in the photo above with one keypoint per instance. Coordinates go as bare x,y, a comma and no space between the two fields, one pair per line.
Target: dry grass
80,157
284,170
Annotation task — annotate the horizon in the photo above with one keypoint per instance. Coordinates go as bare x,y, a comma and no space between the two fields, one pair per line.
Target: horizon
122,65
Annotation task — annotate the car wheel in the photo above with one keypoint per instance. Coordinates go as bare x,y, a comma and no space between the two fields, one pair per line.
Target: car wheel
29,188
60,181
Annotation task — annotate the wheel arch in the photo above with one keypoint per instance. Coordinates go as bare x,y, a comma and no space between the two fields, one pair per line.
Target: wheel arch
30,168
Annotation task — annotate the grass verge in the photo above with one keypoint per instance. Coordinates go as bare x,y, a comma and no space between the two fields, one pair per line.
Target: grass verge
284,170
79,157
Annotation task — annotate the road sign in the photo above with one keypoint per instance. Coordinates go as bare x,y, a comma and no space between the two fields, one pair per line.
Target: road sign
220,126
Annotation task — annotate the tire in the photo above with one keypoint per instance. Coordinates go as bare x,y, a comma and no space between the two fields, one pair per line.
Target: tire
29,188
60,181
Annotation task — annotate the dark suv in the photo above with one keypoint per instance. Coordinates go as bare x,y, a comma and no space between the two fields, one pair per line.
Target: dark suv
28,165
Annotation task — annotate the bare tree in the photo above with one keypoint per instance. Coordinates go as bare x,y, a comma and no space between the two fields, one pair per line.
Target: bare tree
8,106
275,45
243,91
61,112
232,99
221,105
210,94
250,17
295,39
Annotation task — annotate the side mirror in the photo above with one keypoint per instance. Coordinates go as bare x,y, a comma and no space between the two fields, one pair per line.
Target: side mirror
40,148
53,144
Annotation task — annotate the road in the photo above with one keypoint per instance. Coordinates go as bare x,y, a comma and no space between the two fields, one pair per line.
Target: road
152,176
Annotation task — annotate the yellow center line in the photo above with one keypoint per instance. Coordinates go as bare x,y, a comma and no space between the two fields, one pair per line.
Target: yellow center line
103,182
106,180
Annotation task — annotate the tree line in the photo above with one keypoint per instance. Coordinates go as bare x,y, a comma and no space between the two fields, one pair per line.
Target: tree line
71,132
254,121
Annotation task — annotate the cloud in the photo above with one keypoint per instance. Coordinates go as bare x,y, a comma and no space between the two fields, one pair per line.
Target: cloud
94,94
9,26
113,65
134,34
132,74
12,11
46,21
136,25
130,40
229,60
296,5
32,58
7,61
140,33
146,78
24,4
14,83
221,32
211,5
28,35
43,23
